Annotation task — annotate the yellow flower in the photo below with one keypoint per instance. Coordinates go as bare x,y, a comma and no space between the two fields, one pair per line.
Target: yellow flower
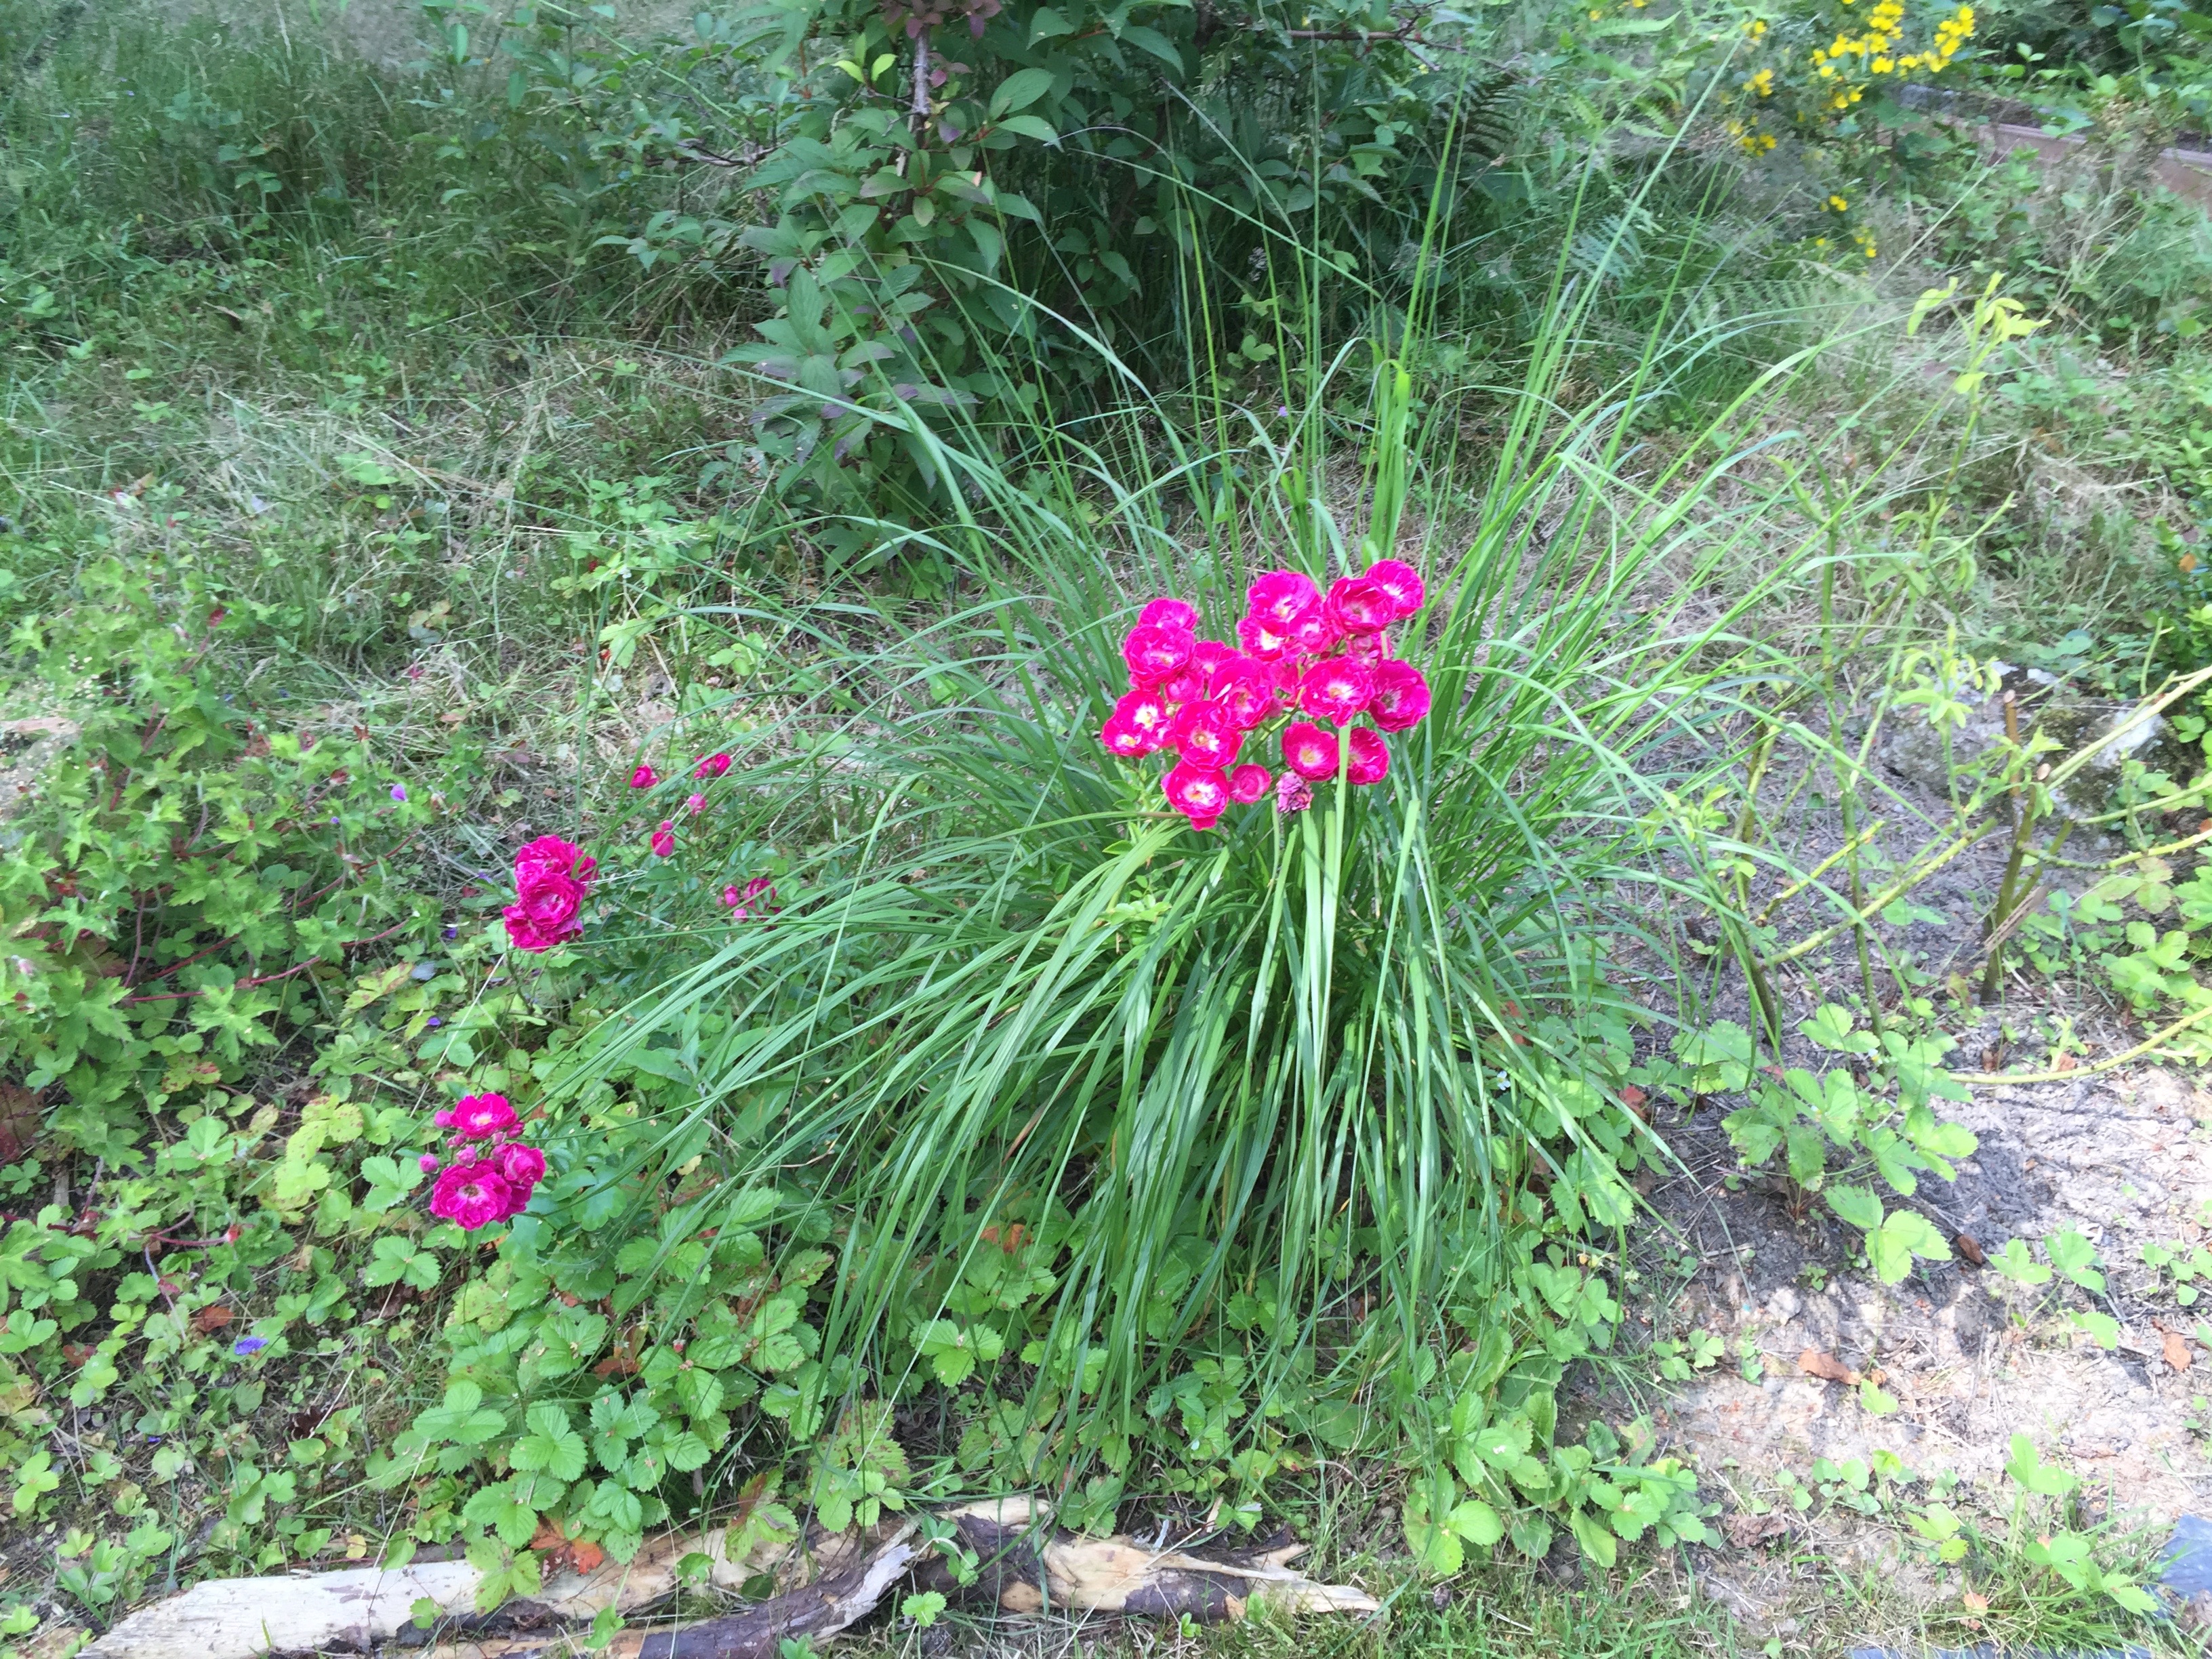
1883,65
1756,28
1762,83
1838,204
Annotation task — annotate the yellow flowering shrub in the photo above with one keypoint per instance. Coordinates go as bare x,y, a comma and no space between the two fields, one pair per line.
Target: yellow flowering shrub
1807,73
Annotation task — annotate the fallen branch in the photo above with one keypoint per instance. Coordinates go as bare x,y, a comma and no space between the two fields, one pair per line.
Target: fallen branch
1025,1567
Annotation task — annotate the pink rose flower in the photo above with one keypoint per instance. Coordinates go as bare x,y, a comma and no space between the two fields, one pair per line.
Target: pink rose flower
1358,605
712,767
644,778
1249,783
478,1117
1245,687
549,856
1336,691
740,899
1314,633
693,803
1261,638
1169,610
1185,684
1281,597
471,1195
1369,648
1401,583
551,876
1292,793
664,840
429,1161
1154,650
1205,735
1199,792
1402,696
1310,751
1146,712
1122,739
522,1167
1209,654
1371,756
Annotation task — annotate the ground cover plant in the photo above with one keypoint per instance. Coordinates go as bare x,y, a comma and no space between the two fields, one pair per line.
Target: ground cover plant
702,827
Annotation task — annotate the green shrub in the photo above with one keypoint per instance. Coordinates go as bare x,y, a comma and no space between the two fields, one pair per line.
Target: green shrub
187,876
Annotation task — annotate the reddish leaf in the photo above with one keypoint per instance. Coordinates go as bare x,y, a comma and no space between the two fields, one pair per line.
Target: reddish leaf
212,1317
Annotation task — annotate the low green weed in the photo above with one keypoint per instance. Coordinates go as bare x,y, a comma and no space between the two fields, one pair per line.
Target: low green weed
1837,1129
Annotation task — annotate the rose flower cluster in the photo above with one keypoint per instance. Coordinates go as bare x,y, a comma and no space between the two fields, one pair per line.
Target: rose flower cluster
493,1174
551,876
1298,652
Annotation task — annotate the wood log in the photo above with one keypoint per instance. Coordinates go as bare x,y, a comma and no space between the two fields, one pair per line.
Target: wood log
1025,1567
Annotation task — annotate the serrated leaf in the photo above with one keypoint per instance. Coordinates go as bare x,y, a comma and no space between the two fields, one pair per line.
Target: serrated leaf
1477,1522
2074,1255
1597,1539
1832,1027
1855,1207
2015,1263
2102,1326
2034,1475
552,1446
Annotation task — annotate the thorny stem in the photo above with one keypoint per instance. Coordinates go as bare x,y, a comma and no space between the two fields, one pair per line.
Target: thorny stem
2024,815
1846,789
1762,991
2110,1063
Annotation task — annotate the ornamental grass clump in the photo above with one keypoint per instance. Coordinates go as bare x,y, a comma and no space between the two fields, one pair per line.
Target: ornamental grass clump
1287,1084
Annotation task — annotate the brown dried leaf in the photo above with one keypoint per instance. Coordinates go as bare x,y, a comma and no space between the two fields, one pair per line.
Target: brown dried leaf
212,1317
2176,1350
1971,1247
1813,1363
